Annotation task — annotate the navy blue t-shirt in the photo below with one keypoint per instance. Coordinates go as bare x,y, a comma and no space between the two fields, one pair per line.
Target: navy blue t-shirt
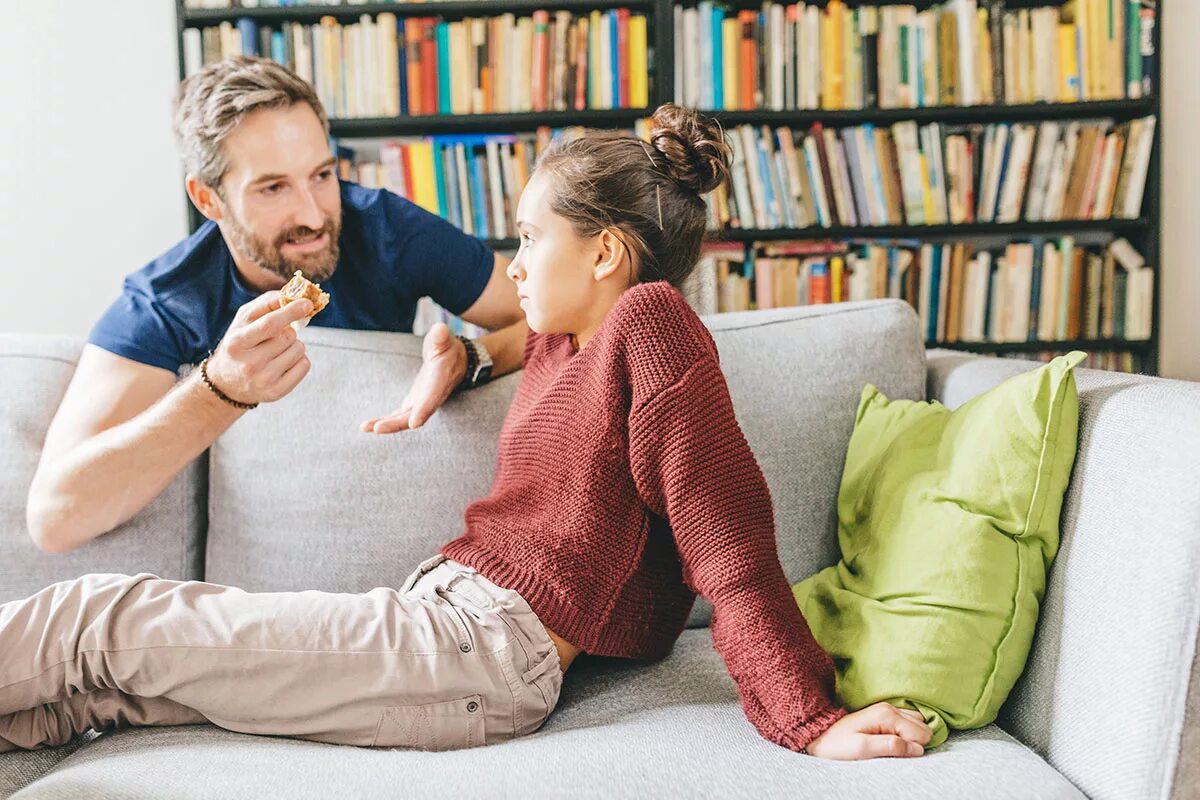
175,310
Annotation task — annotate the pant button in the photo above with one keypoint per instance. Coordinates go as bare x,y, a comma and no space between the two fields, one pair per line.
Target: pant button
472,706
466,648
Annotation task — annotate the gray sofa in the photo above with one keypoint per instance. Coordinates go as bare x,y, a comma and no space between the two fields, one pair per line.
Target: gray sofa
294,497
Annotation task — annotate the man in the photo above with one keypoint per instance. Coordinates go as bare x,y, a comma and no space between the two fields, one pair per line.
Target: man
254,140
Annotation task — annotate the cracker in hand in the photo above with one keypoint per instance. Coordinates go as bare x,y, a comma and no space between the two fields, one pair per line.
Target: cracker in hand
301,288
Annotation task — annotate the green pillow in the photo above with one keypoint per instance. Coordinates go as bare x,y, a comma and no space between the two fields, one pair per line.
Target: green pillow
947,523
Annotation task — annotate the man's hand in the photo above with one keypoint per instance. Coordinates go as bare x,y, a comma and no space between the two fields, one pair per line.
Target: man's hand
444,365
259,359
877,731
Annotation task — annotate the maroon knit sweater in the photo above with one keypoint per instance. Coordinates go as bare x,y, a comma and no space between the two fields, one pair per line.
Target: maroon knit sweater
624,486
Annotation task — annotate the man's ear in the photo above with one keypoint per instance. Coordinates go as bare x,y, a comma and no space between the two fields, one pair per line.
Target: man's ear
610,255
204,197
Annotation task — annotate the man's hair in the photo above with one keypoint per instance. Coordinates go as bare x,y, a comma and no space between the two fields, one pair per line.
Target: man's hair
211,103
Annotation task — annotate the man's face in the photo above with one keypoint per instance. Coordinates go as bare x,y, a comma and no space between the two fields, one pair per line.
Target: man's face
281,201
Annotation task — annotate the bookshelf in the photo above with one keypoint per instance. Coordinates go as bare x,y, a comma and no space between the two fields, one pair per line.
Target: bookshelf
1143,231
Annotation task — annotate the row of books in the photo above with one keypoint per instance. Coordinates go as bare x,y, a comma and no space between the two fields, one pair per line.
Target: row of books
292,3
474,181
1112,360
933,174
429,313
386,66
1040,290
807,55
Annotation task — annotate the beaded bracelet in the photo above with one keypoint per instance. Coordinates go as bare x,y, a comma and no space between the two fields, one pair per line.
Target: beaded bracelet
218,392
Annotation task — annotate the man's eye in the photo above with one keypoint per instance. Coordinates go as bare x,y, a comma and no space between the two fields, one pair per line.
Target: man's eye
274,188
325,175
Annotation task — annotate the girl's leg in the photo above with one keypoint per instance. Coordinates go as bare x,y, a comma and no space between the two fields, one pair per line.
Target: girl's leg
339,668
52,724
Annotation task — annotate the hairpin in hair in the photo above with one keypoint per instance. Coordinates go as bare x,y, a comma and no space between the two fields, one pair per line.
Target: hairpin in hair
657,188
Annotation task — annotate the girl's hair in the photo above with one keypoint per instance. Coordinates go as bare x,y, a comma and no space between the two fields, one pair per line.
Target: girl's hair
649,191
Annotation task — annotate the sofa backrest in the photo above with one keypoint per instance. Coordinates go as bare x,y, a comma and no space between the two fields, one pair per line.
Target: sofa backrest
166,538
299,498
1104,693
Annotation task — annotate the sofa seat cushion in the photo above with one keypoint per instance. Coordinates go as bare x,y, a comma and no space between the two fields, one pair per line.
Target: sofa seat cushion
622,729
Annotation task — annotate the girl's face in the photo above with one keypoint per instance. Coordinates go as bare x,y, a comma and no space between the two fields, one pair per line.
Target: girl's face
566,283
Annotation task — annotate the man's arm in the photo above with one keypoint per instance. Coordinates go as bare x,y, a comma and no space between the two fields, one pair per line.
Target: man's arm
499,310
123,431
120,436
498,306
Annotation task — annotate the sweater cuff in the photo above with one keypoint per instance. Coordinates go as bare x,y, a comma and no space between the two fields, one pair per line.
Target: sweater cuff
799,738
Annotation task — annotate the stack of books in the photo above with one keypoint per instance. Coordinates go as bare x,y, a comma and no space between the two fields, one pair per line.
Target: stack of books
934,174
961,52
1041,290
386,66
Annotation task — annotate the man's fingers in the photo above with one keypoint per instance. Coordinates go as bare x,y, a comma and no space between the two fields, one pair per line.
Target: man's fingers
273,322
276,367
421,413
290,379
270,349
391,424
263,304
436,341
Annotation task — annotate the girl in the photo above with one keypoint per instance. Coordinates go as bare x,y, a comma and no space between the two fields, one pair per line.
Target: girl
624,486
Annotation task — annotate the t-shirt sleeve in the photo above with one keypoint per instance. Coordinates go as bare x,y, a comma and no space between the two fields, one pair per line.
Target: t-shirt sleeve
135,328
437,260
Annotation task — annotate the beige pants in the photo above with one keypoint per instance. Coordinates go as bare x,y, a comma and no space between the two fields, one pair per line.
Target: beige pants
450,660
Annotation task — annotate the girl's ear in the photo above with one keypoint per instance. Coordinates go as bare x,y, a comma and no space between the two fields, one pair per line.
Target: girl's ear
610,254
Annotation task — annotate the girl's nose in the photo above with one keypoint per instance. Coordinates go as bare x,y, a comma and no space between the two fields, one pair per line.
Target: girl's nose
514,271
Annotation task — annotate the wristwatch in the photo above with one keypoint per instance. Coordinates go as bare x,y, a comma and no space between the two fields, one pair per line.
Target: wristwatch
479,364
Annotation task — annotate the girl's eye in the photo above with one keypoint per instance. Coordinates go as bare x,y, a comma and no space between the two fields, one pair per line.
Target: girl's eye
325,175
274,188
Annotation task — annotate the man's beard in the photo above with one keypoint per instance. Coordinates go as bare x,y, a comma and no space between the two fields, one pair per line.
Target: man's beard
269,255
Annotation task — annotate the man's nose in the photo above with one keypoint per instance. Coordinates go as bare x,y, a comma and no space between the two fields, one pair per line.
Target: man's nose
308,211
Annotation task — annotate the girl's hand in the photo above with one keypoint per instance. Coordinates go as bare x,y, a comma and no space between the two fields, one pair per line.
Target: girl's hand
877,731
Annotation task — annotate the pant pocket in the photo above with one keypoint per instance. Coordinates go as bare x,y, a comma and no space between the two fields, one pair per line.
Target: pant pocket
546,677
444,725
423,569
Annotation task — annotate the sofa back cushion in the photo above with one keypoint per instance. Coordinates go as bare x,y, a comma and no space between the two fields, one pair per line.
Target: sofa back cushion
165,538
300,499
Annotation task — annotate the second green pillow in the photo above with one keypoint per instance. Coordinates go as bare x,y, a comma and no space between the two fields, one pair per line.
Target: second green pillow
947,524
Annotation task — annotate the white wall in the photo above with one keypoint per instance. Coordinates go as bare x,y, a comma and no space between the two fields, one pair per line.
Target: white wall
90,186
1179,354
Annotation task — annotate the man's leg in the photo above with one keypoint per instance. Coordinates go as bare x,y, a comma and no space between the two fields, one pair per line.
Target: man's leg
309,664
53,724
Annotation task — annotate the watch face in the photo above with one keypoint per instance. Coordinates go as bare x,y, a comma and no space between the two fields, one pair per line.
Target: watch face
482,353
484,374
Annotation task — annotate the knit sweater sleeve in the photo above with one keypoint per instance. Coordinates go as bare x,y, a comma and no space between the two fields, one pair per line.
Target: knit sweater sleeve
693,466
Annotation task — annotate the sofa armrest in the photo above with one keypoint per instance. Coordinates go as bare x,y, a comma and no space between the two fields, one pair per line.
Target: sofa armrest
1110,695
166,538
